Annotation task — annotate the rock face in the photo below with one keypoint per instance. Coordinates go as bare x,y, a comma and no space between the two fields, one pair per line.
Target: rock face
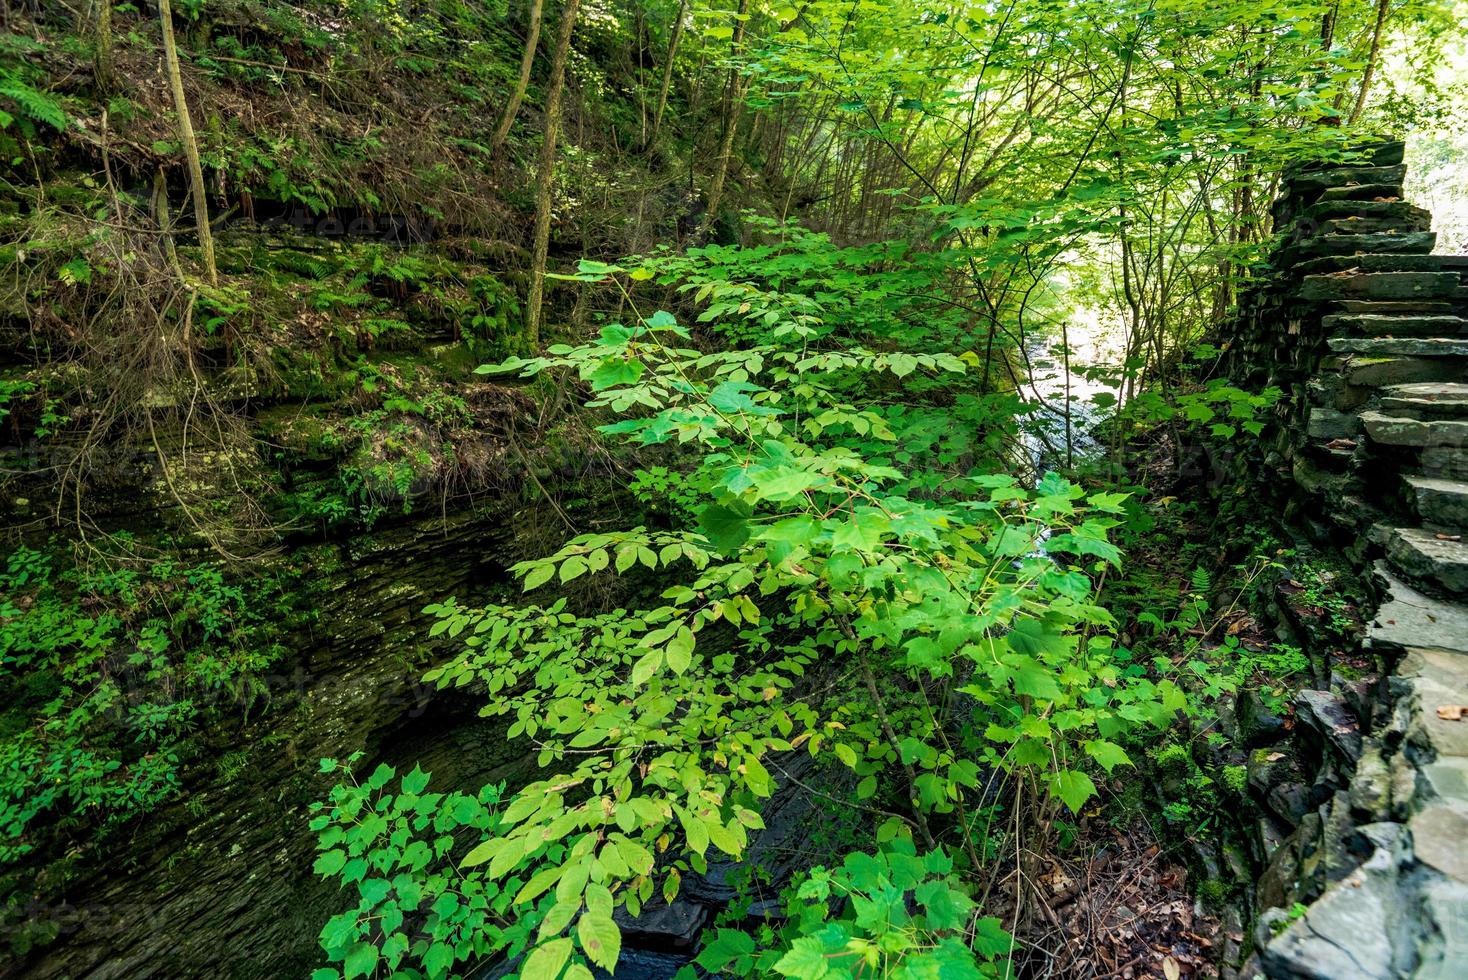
219,883
1367,334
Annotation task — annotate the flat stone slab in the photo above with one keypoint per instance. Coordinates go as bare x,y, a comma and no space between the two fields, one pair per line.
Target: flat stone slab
1448,462
1403,430
1408,619
1438,500
1434,678
1378,372
1383,325
1439,835
1419,219
1401,346
1318,181
1303,249
1414,307
1374,262
1326,423
1442,398
1380,285
1362,192
1425,556
1352,932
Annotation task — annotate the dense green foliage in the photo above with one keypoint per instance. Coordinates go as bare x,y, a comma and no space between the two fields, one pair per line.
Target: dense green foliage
107,669
806,262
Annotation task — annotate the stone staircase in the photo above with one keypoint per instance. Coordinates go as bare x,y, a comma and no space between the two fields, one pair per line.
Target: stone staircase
1367,334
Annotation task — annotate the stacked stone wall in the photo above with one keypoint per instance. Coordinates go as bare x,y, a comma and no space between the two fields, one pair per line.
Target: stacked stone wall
1366,333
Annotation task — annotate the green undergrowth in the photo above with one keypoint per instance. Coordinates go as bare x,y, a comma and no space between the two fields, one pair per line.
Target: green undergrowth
109,668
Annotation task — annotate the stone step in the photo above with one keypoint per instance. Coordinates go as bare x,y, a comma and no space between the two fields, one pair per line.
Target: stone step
1328,425
1443,400
1367,225
1428,557
1319,181
1380,285
1400,346
1371,262
1363,371
1446,462
1439,501
1363,192
1400,430
1406,216
1313,246
1377,325
1392,307
1407,618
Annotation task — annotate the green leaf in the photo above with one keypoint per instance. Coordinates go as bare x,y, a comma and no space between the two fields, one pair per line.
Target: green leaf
330,863
361,961
806,960
415,782
600,938
573,567
438,959
726,527
1073,787
647,665
546,960
862,532
539,575
1033,679
728,945
1108,754
680,650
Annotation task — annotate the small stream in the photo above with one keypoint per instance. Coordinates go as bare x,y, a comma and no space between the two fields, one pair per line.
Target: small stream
1064,387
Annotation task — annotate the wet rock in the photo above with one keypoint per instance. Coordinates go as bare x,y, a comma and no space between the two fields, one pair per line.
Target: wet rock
1379,285
1327,715
1326,423
1428,557
1289,873
1370,792
1290,801
1439,836
1353,930
1445,461
661,926
1439,501
1257,725
1407,618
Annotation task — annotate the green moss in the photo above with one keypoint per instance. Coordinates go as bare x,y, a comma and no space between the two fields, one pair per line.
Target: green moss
1214,894
1173,760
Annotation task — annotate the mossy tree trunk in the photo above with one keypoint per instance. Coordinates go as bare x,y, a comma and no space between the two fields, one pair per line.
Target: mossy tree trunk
545,175
1382,9
190,144
677,35
512,108
102,54
732,97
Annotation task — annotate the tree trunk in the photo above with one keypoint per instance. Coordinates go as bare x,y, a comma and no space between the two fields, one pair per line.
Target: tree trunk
512,109
1382,7
544,178
657,117
731,124
102,57
190,144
